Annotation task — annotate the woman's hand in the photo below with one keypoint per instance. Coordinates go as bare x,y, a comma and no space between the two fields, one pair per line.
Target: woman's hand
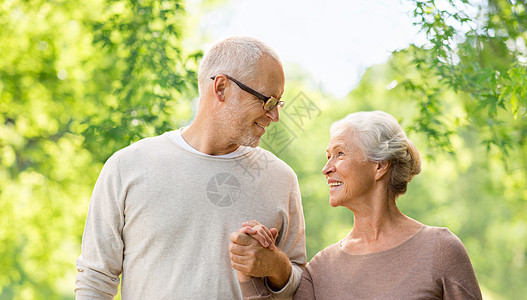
265,236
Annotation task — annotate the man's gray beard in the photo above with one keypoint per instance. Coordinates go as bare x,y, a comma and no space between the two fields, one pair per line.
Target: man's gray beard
249,141
243,136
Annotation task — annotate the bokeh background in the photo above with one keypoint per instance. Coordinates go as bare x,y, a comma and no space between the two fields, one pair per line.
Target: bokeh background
81,79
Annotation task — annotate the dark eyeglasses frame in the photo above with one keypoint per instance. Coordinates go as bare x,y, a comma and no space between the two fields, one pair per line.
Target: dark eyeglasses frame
269,102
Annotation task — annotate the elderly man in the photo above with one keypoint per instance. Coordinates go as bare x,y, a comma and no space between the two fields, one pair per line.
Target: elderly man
163,209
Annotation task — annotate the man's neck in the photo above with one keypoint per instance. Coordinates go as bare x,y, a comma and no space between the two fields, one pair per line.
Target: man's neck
200,137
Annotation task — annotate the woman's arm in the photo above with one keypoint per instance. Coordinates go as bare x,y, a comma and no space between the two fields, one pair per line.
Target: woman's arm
458,277
306,290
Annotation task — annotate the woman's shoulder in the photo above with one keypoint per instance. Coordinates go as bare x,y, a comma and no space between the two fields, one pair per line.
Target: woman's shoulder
448,247
325,256
453,267
442,235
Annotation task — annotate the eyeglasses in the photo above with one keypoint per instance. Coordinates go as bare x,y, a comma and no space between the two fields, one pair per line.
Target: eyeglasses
269,102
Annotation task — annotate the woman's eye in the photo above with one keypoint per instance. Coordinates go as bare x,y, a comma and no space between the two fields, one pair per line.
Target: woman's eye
341,153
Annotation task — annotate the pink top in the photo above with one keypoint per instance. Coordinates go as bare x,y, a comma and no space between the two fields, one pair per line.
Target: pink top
432,264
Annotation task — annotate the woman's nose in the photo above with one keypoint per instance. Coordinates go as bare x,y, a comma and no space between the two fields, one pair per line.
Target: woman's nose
328,168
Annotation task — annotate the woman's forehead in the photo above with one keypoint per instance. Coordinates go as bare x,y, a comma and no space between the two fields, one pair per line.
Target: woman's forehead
341,137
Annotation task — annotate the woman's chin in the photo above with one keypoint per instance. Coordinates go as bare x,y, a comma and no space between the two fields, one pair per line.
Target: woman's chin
334,203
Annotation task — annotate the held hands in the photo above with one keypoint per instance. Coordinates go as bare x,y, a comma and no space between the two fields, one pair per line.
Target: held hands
253,253
266,237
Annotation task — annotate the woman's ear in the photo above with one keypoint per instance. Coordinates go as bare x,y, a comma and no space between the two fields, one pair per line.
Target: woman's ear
382,169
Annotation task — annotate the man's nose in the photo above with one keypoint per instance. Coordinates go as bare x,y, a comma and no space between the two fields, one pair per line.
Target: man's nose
273,114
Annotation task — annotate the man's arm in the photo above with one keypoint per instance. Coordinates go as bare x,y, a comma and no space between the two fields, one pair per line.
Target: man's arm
250,258
282,266
100,263
292,241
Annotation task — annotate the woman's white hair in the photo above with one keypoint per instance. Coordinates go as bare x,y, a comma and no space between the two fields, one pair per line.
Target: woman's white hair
234,56
381,138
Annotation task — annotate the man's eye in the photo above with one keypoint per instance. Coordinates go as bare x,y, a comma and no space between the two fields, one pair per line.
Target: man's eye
341,153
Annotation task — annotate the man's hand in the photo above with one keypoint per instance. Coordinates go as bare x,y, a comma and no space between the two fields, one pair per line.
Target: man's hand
250,258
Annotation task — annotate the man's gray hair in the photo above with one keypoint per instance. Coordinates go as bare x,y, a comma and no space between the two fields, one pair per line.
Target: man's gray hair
234,56
381,138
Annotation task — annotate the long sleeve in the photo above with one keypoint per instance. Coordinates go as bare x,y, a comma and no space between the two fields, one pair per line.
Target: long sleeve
100,262
292,242
306,289
254,289
458,279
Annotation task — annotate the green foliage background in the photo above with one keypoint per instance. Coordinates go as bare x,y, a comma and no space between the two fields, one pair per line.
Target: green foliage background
80,80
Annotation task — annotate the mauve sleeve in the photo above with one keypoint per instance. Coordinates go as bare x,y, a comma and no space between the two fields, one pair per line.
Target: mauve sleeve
306,289
458,277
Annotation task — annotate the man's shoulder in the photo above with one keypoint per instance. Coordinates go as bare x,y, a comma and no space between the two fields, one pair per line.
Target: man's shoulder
143,148
147,144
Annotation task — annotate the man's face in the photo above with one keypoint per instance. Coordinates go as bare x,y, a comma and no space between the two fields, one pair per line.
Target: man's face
243,116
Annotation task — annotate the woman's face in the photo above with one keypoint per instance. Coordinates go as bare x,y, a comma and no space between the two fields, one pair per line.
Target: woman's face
349,174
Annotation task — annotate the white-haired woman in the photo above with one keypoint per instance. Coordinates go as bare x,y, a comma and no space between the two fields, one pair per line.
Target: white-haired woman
386,255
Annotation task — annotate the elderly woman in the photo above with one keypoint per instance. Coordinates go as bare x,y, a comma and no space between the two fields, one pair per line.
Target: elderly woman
386,255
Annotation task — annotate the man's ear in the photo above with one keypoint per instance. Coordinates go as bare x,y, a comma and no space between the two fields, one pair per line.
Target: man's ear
219,85
382,169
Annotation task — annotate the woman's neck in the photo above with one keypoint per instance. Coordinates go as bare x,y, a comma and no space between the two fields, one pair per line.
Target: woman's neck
379,228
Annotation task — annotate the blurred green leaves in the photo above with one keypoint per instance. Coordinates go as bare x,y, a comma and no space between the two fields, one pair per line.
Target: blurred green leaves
78,81
482,55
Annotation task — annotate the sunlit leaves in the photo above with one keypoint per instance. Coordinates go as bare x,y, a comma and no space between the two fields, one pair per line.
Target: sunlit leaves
481,57
78,81
484,60
151,71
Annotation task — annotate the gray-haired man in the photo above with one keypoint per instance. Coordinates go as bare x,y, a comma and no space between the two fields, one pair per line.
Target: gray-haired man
163,209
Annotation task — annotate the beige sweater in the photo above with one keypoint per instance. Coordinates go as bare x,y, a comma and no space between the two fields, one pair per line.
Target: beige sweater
433,264
160,216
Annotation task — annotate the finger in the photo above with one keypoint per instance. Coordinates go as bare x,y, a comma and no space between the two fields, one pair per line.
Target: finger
240,238
271,236
237,249
264,231
264,241
274,233
263,237
247,230
236,258
246,260
240,267
264,234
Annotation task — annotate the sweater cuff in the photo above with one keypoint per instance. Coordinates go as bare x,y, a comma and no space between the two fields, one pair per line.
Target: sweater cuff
292,284
254,289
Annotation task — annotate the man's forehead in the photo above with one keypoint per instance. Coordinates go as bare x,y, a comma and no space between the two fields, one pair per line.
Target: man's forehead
269,84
